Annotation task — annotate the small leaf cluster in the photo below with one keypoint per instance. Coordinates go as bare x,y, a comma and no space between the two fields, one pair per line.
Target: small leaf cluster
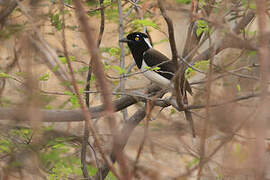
138,24
202,27
183,1
201,65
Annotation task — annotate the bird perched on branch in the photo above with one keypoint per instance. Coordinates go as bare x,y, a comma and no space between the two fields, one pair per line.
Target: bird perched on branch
154,65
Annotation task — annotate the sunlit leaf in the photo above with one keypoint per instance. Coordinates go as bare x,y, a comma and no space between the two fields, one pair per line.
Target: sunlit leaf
4,75
45,77
119,70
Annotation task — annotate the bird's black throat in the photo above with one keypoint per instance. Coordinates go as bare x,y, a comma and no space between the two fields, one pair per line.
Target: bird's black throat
137,52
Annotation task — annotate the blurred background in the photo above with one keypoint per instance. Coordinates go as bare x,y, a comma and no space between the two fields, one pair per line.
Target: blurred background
224,46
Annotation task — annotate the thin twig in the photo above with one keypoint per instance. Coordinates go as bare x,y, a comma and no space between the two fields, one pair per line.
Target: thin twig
99,73
88,80
206,120
122,55
83,107
127,129
149,108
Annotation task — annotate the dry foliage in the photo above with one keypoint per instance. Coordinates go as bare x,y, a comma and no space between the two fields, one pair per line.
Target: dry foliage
73,106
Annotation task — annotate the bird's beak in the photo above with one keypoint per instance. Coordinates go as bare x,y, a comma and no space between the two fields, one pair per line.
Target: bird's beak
124,40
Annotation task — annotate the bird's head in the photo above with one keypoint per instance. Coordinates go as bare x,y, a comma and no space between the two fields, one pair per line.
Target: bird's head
137,42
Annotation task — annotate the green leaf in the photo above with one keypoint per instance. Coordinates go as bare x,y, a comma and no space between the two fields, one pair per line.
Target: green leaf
252,53
5,145
83,69
161,41
238,148
183,1
69,2
107,2
64,60
45,77
202,26
144,22
10,29
48,107
173,111
56,21
152,69
113,51
193,162
119,70
73,99
199,31
55,68
202,3
48,128
238,87
252,5
4,75
201,65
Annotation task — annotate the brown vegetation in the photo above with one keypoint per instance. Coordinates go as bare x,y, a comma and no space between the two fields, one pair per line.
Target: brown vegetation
71,99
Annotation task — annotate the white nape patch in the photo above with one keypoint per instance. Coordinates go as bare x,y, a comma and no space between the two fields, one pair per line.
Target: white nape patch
147,42
155,77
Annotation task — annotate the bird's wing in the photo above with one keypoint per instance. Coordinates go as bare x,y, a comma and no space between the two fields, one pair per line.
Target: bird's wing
153,58
167,69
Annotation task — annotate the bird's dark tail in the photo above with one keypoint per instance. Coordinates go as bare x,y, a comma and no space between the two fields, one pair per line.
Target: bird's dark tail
190,121
185,87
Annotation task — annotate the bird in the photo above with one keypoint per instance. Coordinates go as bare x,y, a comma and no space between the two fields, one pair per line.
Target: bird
155,66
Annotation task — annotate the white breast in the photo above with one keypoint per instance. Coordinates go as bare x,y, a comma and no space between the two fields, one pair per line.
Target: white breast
154,77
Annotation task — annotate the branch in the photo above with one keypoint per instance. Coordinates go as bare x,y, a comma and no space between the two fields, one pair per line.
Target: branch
127,129
98,111
99,73
170,31
179,79
231,39
87,94
260,128
74,115
122,56
85,112
7,10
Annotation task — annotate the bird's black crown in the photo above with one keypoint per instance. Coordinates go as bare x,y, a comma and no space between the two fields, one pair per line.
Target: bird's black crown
138,44
138,41
137,37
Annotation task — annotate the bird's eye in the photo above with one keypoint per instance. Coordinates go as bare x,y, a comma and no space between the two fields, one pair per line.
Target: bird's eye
137,38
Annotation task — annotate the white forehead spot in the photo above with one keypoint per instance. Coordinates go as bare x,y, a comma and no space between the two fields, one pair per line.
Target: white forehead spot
138,35
147,42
